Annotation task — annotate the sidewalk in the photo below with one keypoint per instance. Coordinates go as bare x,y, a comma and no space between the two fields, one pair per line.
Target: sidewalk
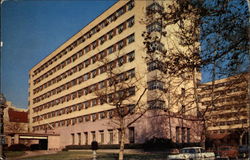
33,153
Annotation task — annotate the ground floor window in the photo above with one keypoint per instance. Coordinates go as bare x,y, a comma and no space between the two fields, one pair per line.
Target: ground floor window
73,138
101,137
79,138
131,135
86,138
111,136
93,136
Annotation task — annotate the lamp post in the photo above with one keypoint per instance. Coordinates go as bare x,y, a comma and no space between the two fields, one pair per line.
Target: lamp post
2,106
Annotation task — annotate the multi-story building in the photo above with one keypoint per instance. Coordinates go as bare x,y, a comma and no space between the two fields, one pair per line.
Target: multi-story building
226,107
63,86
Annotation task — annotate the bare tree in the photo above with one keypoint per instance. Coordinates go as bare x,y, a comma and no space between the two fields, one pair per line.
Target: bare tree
197,34
124,92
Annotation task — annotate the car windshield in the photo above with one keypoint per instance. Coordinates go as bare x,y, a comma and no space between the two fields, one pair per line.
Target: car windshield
187,150
224,148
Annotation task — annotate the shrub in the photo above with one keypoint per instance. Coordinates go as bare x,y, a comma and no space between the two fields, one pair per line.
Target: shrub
103,146
18,147
158,144
34,147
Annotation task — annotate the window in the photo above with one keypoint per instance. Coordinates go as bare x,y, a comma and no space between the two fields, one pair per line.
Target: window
86,63
111,49
86,138
93,135
102,115
79,138
101,84
156,46
131,133
94,103
155,84
131,91
177,134
131,38
73,138
154,27
86,76
121,44
121,61
94,73
131,22
183,134
120,28
154,7
111,34
120,11
156,104
87,118
131,73
102,39
131,5
102,69
94,59
188,135
102,54
95,44
111,136
101,136
131,56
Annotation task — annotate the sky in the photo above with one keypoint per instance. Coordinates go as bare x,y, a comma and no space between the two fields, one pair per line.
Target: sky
31,30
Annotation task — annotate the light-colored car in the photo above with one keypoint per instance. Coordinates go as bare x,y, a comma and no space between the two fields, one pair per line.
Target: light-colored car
192,153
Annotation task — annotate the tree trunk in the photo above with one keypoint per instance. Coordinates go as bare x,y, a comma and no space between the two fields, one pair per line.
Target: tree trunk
241,138
121,152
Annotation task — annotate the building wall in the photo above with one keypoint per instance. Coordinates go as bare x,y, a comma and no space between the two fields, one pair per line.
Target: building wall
226,104
20,121
63,86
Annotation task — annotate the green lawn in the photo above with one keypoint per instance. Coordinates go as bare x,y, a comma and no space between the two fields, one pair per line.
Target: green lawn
85,155
11,154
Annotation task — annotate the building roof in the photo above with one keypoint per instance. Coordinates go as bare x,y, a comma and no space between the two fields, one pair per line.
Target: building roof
17,116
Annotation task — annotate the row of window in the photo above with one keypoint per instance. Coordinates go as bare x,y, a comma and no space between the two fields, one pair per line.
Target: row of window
77,137
224,92
182,134
227,84
88,48
84,105
229,115
224,123
92,74
227,107
94,30
228,99
87,90
90,61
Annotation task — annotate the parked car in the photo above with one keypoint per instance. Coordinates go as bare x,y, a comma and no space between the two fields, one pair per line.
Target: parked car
227,152
192,153
243,151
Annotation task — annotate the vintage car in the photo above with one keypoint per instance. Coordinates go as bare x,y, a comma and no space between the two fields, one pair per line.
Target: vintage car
192,153
227,152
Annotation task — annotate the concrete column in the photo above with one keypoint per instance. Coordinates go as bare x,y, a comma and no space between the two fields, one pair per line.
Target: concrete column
8,140
16,139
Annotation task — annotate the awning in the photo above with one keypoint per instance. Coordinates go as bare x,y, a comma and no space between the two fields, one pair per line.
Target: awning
32,137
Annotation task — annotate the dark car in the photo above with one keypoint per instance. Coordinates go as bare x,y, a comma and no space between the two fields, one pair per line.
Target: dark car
228,152
243,151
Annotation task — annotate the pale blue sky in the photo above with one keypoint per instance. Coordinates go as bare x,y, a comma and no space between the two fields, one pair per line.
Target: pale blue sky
32,29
